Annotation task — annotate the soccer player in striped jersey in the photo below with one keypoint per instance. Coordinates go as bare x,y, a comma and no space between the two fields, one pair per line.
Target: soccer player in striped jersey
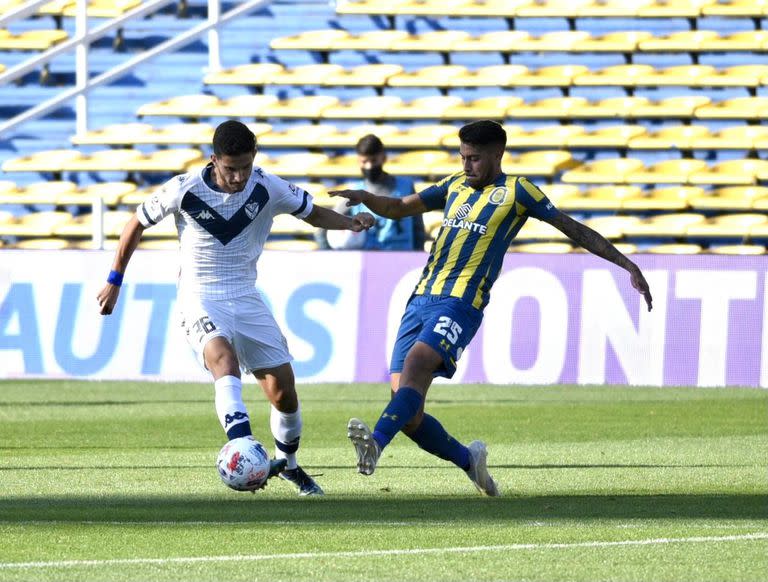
223,214
484,209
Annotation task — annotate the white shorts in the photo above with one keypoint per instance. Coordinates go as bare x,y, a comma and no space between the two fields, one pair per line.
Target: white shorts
245,321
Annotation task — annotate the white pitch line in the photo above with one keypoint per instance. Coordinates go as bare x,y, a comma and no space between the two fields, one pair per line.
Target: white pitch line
368,553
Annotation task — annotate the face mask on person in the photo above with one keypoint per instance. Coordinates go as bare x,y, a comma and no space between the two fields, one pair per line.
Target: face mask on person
373,173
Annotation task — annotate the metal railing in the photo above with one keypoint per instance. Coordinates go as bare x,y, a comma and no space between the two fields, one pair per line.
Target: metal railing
83,83
81,43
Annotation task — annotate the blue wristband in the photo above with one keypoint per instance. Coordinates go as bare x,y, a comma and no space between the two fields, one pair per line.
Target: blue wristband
115,278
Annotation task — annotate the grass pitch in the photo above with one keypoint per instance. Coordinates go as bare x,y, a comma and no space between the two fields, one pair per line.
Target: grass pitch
115,481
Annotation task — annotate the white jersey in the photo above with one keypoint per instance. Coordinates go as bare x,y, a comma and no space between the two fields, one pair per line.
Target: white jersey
222,235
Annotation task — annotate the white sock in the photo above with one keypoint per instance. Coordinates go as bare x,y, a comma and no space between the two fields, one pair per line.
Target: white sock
286,428
230,408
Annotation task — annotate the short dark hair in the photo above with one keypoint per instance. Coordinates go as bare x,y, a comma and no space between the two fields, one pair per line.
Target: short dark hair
369,145
233,138
483,133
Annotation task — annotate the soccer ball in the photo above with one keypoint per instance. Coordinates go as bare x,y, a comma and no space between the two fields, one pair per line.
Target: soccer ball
347,240
243,464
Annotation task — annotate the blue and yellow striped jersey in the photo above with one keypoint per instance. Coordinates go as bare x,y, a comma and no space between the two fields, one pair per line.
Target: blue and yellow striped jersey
478,226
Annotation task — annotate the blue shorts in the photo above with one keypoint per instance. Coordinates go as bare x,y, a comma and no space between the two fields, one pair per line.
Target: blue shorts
446,324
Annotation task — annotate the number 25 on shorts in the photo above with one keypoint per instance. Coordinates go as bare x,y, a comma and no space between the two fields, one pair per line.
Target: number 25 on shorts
448,328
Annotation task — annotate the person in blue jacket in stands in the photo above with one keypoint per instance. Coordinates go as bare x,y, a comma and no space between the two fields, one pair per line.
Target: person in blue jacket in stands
405,234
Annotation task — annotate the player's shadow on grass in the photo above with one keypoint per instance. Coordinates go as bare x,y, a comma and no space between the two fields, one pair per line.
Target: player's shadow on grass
383,507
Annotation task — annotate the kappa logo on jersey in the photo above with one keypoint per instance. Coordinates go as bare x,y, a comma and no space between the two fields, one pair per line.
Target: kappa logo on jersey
459,221
205,215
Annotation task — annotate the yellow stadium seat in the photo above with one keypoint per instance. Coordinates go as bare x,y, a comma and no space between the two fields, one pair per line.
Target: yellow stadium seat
558,193
611,8
47,192
667,172
296,164
431,107
740,137
684,41
556,41
605,171
181,106
422,163
118,133
483,108
490,76
311,40
728,225
748,40
32,40
367,7
620,75
674,8
248,106
42,244
104,8
44,161
675,249
551,248
665,225
363,76
748,108
551,76
34,224
537,230
736,172
738,76
730,198
348,137
110,192
549,108
372,108
503,41
421,136
314,74
552,9
553,136
538,163
492,8
610,107
435,40
612,227
620,41
433,76
600,198
737,250
743,8
374,40
81,226
304,107
666,198
616,136
684,76
304,135
671,107
175,160
682,137
250,74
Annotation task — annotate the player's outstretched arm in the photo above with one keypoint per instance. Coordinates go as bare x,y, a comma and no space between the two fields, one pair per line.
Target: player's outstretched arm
129,240
331,220
598,245
386,206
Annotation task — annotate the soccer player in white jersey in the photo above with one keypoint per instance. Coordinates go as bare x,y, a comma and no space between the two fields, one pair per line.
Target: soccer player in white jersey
223,214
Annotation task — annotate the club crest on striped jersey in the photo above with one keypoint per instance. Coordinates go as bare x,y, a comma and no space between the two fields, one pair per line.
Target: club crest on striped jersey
498,196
